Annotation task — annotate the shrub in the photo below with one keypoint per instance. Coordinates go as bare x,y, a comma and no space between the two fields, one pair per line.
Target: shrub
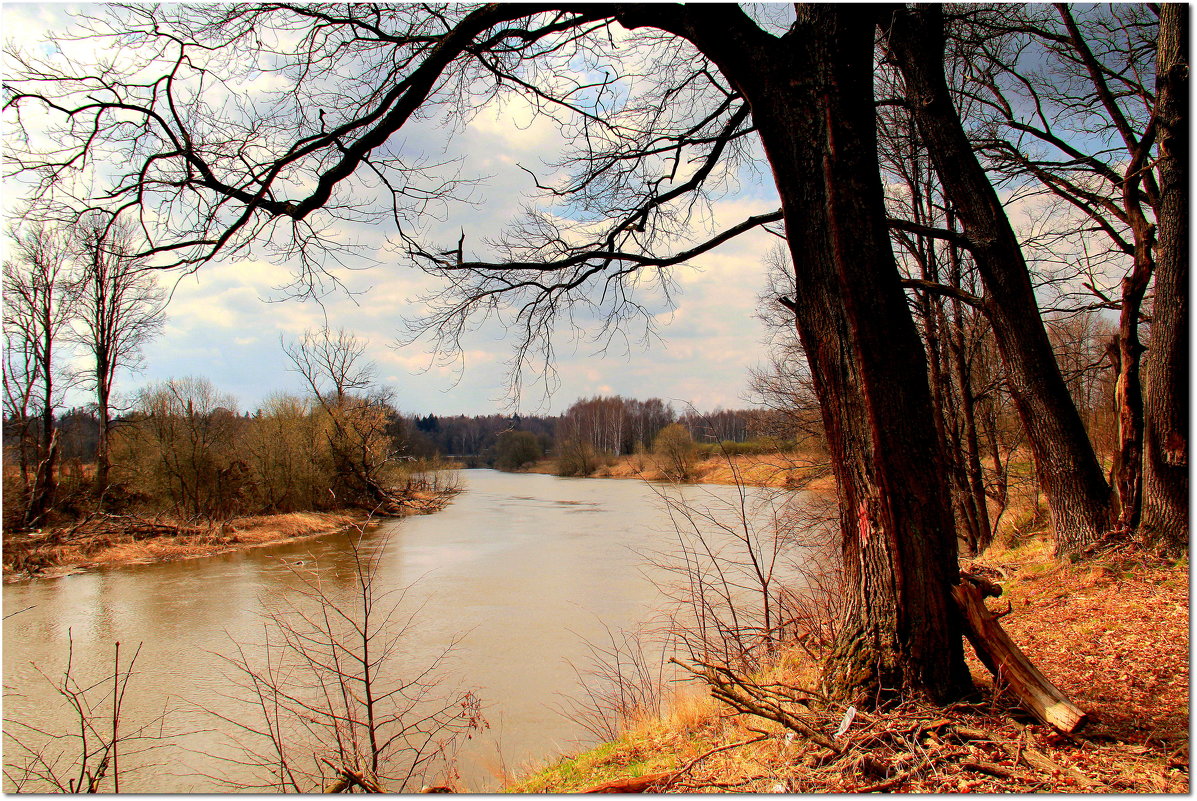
576,458
514,449
675,451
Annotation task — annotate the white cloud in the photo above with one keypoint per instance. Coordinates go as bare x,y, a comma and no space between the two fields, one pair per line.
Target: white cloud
512,127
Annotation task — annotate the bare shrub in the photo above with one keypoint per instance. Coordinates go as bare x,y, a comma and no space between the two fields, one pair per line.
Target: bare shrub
326,704
751,572
676,452
578,458
86,757
753,577
622,678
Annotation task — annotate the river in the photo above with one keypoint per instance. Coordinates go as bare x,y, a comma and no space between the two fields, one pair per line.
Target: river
521,569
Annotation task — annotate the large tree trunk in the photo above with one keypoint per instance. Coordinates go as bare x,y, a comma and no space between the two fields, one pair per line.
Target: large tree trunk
1166,435
811,93
1076,489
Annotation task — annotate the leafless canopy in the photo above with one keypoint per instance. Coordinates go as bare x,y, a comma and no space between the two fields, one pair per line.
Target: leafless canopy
277,128
119,304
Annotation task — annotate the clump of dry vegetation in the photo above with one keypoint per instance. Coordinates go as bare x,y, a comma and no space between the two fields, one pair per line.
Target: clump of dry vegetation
790,470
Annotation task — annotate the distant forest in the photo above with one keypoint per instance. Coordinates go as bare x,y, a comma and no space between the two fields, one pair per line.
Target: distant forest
610,424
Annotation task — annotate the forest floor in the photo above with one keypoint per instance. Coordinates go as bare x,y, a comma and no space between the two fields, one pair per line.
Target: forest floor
788,470
105,540
1112,632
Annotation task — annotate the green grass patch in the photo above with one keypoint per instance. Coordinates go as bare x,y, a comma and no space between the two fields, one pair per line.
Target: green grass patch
636,754
613,760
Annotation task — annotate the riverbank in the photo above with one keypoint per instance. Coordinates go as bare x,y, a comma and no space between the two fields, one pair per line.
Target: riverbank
1112,633
110,540
782,470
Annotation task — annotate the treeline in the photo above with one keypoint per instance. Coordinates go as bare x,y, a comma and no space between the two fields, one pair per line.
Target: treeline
594,430
187,449
590,432
472,440
184,449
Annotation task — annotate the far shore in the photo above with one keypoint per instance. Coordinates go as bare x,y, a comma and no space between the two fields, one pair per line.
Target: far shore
782,470
111,540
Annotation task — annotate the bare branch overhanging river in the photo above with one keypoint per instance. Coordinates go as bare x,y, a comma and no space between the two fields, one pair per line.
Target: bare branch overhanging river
522,568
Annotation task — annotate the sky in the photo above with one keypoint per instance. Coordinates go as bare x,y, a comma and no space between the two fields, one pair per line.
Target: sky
226,322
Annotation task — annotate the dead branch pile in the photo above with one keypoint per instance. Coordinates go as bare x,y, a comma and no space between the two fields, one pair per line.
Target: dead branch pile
772,701
912,747
916,748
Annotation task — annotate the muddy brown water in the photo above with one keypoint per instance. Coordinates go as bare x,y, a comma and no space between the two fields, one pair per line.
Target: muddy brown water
523,569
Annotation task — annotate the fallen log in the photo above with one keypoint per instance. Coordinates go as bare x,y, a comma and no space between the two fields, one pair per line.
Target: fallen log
636,784
988,588
1010,665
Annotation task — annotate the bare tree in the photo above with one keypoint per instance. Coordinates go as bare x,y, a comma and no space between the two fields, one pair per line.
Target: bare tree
21,378
184,445
289,475
1080,124
327,706
119,308
334,367
332,363
37,311
1072,479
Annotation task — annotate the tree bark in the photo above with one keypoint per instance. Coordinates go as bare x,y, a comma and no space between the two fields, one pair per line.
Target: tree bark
1076,489
897,531
1166,369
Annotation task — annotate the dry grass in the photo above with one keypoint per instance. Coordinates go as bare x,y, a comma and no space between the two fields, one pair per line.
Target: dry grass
1112,633
105,541
789,470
